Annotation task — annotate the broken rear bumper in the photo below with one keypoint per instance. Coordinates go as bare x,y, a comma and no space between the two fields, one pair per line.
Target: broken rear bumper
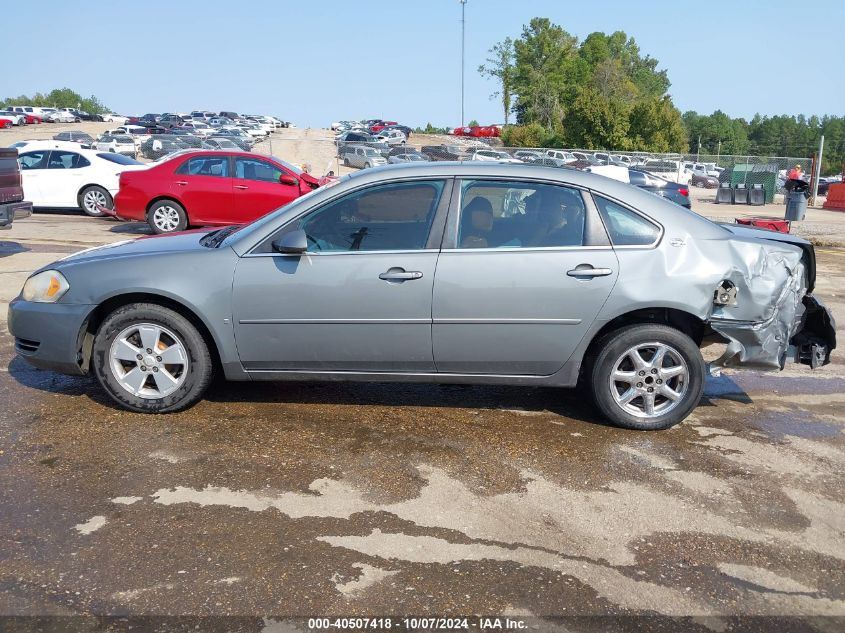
798,331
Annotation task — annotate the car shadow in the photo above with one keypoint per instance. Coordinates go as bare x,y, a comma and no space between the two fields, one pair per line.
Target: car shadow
572,403
132,228
12,248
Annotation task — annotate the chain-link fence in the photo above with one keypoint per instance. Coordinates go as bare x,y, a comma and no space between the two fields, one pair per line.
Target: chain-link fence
324,151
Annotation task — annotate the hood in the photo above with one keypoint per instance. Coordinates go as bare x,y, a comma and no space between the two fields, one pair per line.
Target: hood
169,243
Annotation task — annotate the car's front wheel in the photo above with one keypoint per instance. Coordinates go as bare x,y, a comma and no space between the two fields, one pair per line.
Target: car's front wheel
93,197
151,359
647,377
167,216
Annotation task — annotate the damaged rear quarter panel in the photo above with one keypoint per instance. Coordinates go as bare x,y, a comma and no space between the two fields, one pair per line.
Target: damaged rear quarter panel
684,272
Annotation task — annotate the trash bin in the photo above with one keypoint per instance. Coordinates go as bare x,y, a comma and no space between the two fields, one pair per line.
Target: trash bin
796,199
796,205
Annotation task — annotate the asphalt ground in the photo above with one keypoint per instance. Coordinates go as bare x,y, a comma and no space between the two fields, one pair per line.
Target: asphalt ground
276,500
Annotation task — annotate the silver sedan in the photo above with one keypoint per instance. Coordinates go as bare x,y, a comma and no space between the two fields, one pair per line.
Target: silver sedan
438,272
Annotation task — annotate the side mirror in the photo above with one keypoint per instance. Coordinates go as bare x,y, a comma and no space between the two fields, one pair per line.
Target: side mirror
287,179
293,243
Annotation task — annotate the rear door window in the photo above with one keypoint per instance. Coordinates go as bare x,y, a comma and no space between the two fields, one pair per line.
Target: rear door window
205,166
514,214
66,160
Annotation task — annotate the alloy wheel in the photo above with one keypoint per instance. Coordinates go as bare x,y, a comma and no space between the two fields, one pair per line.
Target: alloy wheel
148,360
92,199
649,380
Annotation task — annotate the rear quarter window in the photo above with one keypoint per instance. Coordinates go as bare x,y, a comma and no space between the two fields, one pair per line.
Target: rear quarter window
624,227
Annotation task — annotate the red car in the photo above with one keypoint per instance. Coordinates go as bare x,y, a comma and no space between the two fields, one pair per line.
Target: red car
209,188
378,127
477,131
5,123
32,118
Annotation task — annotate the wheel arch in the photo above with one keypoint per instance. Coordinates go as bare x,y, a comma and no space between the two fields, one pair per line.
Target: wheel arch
95,318
91,184
162,197
685,322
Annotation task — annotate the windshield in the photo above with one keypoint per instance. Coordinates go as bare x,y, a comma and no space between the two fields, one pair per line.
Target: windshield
120,159
370,152
293,168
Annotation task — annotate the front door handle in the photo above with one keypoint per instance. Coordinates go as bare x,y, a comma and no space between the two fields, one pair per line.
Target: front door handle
400,275
182,182
241,187
588,272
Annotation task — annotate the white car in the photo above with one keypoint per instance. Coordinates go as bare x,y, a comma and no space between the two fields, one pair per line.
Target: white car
117,144
64,178
23,146
17,118
198,128
392,137
111,117
58,116
494,155
565,157
252,129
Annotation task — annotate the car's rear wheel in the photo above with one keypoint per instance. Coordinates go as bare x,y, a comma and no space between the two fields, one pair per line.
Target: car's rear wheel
92,197
151,359
167,216
647,377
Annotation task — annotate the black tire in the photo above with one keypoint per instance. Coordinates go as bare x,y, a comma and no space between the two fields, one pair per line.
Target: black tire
346,162
200,366
367,165
158,226
612,346
92,194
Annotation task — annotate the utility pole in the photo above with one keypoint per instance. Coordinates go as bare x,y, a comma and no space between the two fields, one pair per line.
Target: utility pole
698,153
463,53
718,153
818,171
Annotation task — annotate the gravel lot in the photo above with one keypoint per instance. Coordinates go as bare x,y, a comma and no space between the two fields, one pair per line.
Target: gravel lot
306,499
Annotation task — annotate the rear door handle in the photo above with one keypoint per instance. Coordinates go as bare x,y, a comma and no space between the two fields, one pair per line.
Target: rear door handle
182,182
241,187
400,274
589,272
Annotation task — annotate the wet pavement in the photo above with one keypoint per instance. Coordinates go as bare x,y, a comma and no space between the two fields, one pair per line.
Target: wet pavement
375,499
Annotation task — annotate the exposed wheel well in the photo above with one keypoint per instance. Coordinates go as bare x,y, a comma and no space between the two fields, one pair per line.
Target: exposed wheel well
685,322
98,315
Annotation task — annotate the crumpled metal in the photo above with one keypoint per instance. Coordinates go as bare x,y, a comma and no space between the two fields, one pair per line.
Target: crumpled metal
771,282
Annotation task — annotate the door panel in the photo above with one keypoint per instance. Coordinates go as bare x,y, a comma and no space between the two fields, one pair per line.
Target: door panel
360,298
515,312
257,189
524,275
333,312
204,185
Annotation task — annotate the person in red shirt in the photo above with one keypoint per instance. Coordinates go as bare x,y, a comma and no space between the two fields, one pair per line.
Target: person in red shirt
796,173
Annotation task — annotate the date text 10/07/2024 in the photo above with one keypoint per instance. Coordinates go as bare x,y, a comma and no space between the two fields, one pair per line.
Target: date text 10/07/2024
419,624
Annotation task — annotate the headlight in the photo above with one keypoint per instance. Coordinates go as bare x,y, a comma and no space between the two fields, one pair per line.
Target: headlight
45,287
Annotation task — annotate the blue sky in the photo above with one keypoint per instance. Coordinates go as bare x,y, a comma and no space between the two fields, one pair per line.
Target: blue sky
314,62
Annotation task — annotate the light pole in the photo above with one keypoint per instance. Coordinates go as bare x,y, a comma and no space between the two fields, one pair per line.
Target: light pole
463,47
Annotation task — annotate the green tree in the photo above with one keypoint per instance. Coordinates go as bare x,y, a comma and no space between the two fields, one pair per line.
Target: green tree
59,98
656,126
500,66
595,121
531,135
